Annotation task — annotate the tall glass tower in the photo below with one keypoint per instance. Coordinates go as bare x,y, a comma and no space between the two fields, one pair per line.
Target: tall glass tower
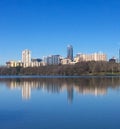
70,52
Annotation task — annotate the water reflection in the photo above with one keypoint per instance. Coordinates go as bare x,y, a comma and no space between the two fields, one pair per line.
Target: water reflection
84,86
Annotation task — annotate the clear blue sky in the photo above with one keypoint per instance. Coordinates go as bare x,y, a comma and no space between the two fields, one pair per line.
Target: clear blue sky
48,26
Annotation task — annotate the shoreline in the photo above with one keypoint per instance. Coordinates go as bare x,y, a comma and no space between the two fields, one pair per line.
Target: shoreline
60,76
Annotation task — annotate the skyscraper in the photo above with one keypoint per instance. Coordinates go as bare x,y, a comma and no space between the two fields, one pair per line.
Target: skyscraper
26,58
70,52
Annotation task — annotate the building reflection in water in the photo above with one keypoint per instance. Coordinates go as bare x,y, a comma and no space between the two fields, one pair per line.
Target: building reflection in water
70,91
26,91
83,86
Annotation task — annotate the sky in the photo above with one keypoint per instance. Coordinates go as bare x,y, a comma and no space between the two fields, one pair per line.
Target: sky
46,27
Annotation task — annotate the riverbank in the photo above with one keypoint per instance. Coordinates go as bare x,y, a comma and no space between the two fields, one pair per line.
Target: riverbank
80,69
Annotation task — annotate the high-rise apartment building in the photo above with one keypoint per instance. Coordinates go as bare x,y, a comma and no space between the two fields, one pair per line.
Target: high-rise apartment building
70,52
26,58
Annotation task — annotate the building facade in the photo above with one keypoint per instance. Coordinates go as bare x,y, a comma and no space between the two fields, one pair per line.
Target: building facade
91,57
70,52
36,62
14,64
52,60
26,58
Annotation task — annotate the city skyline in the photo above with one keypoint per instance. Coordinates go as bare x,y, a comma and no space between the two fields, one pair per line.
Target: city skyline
27,55
46,27
27,60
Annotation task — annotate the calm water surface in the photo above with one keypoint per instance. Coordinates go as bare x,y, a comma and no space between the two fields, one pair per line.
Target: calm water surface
60,103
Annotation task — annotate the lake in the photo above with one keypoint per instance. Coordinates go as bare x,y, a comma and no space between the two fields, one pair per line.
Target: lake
59,102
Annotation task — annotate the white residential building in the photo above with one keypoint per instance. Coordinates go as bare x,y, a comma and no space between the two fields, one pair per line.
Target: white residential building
26,58
91,57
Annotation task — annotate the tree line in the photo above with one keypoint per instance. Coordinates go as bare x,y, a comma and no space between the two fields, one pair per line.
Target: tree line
81,68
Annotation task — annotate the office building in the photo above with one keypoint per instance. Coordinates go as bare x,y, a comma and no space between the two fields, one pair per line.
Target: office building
70,52
52,60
